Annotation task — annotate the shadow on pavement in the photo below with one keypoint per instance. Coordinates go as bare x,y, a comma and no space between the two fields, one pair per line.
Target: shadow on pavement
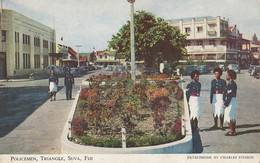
238,126
247,125
18,103
248,132
197,144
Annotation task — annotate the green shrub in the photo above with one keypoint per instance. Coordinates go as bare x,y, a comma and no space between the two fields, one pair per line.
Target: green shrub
101,142
82,104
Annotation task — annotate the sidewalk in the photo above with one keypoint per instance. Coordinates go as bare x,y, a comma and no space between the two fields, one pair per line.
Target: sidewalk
40,133
247,117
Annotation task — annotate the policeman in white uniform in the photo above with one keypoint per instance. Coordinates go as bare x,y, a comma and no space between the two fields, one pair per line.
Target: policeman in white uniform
216,98
230,102
193,97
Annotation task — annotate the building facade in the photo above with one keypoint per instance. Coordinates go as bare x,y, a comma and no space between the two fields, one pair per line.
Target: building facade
25,45
210,39
69,57
254,48
105,58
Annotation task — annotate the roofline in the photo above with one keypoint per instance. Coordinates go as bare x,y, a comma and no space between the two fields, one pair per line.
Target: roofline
50,28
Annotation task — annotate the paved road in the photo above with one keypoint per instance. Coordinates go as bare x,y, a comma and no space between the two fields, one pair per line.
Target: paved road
35,128
248,119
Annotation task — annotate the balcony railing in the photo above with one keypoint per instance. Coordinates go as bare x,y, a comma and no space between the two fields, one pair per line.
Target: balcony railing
209,48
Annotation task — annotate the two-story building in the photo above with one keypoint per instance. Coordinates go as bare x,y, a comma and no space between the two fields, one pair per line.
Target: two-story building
25,45
209,39
105,58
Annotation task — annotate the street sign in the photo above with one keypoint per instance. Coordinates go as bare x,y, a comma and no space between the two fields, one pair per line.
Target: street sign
131,1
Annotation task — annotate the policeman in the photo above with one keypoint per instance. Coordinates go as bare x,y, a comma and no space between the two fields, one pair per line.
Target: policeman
193,97
229,101
216,98
68,82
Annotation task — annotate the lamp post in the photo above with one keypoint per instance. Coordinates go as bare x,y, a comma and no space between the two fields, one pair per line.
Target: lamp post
132,40
78,52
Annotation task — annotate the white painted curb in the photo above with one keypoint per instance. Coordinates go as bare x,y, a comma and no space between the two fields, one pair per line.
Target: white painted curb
184,145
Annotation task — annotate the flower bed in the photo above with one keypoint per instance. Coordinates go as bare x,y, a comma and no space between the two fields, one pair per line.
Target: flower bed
150,112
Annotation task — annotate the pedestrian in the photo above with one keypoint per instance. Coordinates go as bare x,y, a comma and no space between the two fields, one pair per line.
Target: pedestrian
68,82
230,102
216,98
53,84
178,71
193,97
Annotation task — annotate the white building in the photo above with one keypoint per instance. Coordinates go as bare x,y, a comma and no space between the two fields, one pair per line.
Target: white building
105,58
25,45
209,39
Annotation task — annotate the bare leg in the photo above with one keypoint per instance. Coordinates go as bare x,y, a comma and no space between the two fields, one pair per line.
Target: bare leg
51,95
54,93
215,126
222,122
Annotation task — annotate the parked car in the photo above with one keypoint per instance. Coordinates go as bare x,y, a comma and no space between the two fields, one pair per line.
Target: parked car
119,68
189,69
75,72
91,68
83,69
222,66
251,67
234,67
150,71
109,68
203,69
57,70
256,72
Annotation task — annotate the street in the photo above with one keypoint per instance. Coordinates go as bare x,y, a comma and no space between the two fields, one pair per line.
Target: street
247,117
26,113
30,123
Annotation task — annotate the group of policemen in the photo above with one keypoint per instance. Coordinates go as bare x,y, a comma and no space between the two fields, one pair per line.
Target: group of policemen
222,98
68,83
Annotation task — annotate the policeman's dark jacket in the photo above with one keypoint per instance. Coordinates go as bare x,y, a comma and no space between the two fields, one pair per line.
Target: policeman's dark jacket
229,92
69,80
217,87
54,79
193,89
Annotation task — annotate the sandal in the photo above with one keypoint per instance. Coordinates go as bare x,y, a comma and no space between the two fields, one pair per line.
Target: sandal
229,134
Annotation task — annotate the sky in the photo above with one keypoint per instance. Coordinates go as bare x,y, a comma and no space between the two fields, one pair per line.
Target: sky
91,23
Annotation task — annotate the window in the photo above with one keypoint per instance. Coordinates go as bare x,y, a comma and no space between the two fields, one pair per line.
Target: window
53,60
17,61
187,43
105,57
45,44
26,61
187,30
16,37
199,43
222,42
37,61
212,42
45,61
37,41
26,39
212,26
52,47
3,36
100,57
199,29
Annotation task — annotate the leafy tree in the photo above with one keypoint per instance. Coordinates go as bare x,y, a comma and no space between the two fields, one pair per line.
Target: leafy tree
155,40
190,61
200,62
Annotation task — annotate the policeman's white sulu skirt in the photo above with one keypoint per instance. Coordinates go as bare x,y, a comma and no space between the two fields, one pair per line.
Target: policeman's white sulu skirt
217,105
230,111
195,107
53,87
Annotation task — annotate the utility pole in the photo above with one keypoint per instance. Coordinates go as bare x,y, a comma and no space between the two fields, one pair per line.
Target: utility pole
78,52
132,40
